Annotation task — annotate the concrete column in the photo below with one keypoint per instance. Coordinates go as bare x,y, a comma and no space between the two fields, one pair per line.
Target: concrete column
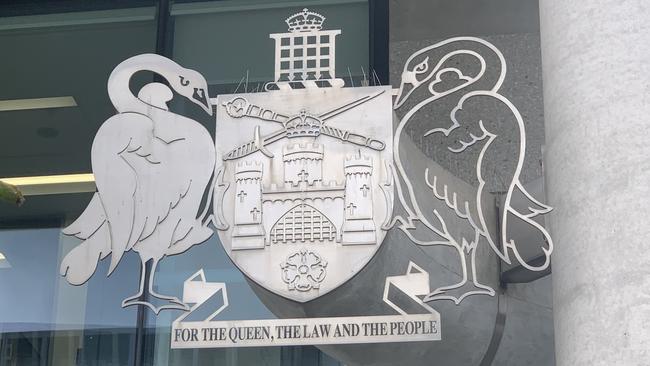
596,69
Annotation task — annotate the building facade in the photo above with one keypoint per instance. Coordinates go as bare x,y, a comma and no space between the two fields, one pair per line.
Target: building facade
342,131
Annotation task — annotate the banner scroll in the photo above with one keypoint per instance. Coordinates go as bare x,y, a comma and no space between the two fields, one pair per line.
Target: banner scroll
208,333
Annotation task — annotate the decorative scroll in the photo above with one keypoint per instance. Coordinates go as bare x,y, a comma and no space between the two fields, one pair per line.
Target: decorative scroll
210,333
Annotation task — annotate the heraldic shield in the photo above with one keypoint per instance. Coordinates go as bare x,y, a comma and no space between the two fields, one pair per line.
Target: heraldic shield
303,184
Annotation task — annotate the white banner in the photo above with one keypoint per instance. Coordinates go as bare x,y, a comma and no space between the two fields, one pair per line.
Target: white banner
308,331
208,333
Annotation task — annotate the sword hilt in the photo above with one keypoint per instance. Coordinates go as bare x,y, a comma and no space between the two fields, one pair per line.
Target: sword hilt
252,146
239,107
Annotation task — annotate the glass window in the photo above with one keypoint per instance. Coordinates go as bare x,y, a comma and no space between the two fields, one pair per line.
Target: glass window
229,40
68,50
62,52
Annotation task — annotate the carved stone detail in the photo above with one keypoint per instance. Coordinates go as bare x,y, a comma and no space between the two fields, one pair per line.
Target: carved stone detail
248,232
304,271
358,227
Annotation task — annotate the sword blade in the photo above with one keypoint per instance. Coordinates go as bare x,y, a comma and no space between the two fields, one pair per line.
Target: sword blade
338,110
252,146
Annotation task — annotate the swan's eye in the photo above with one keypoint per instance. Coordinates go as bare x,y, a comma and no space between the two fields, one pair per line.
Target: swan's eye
422,67
184,82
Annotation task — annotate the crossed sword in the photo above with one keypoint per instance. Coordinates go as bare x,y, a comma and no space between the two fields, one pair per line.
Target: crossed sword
240,107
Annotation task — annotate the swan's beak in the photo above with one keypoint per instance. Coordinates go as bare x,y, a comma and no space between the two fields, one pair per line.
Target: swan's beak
405,89
201,98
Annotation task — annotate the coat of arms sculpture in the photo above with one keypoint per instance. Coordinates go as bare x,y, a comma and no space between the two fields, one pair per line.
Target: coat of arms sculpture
302,176
304,170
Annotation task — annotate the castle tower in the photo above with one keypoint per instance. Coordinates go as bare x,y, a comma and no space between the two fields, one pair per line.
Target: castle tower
303,163
248,232
305,55
358,225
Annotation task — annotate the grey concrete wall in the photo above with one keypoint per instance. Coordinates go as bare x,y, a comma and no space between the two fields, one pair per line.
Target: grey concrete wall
512,26
596,78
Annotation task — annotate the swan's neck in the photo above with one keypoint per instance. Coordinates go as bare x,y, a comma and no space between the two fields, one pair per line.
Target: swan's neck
118,83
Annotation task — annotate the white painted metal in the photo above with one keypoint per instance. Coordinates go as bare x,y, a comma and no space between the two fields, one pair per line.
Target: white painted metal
197,290
304,176
208,333
305,56
426,69
151,168
414,283
303,189
306,331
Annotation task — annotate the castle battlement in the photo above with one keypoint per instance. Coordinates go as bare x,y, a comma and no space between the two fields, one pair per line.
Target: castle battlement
248,170
358,164
311,151
290,188
248,165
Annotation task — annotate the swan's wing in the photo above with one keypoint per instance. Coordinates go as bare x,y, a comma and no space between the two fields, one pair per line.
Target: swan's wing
481,133
160,192
492,125
121,147
164,176
90,220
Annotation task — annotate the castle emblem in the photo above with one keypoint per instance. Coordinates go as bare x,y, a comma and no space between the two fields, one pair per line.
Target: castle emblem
304,179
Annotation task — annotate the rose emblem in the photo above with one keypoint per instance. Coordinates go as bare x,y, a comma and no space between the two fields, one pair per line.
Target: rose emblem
304,270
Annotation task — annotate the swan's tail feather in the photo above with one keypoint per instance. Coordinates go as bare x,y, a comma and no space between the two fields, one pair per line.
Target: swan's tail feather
537,241
81,262
528,205
187,235
90,220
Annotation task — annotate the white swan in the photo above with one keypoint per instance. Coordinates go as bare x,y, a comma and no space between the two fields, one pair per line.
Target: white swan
455,102
152,168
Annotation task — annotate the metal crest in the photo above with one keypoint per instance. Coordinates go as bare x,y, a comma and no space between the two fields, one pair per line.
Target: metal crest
467,126
303,194
304,173
152,167
303,176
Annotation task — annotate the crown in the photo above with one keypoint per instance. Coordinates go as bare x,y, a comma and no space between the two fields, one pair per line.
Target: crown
305,21
303,125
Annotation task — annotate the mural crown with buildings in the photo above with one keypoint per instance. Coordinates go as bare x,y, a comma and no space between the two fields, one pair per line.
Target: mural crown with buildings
305,21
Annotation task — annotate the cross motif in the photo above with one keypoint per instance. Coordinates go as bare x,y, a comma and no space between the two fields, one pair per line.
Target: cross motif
254,212
241,196
351,208
364,188
303,175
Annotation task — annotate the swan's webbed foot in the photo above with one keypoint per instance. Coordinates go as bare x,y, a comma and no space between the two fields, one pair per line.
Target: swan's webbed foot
459,292
162,302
